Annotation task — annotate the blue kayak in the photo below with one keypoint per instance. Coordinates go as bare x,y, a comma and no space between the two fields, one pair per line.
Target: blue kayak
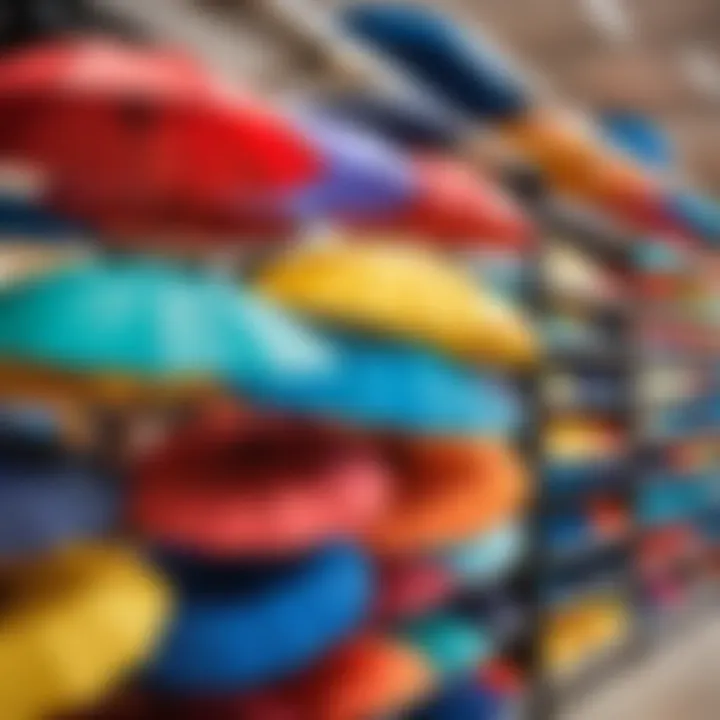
385,385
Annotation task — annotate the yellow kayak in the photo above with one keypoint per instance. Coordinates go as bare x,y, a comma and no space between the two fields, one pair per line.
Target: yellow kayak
75,625
402,292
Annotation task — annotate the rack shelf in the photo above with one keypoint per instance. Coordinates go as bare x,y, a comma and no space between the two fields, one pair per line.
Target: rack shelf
617,361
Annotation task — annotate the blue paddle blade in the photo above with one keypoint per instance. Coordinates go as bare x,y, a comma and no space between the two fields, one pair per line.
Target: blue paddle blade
384,385
362,175
150,320
407,123
456,67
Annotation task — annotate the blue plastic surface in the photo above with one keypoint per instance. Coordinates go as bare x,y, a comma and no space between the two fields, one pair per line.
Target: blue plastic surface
151,320
23,220
42,511
700,214
662,502
456,67
464,700
640,137
384,385
239,625
490,555
48,498
571,476
452,646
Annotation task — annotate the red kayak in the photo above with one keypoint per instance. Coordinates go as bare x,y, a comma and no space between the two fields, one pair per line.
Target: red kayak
136,139
456,206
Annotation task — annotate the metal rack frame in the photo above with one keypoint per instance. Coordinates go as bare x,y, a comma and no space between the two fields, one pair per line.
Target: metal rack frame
605,246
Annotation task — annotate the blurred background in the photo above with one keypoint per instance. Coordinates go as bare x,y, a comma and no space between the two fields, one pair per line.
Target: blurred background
652,57
359,360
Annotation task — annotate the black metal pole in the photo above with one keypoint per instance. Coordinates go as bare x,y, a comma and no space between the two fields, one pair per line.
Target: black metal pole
530,188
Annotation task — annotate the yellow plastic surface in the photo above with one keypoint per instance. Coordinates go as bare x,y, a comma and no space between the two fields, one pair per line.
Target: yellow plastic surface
73,627
402,292
579,437
578,631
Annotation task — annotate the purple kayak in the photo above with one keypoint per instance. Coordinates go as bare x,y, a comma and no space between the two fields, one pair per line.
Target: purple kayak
362,175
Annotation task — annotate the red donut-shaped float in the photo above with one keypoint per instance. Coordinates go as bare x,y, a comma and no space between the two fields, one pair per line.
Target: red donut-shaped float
237,484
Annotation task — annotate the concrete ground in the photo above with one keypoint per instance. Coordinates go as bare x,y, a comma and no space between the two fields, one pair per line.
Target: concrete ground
681,681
